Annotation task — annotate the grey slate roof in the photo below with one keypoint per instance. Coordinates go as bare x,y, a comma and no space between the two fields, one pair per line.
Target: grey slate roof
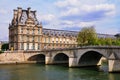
54,32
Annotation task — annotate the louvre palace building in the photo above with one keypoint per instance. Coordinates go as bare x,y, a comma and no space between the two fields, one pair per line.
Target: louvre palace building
26,33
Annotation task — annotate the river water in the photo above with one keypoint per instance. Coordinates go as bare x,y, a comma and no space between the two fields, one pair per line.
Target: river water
54,72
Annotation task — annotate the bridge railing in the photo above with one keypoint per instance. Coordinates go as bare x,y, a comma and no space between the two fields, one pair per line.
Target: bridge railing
70,48
84,47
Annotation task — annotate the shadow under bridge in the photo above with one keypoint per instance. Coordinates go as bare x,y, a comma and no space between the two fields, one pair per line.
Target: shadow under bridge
39,58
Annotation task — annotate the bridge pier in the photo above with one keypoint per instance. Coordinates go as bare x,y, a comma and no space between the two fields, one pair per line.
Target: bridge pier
48,60
114,65
72,62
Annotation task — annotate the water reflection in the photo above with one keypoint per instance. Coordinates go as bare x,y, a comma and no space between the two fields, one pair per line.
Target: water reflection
115,76
56,72
53,72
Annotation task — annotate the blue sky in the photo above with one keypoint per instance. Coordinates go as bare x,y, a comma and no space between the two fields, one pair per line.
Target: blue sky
104,15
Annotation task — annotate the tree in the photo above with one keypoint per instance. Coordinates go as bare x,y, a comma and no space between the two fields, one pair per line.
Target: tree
5,46
87,36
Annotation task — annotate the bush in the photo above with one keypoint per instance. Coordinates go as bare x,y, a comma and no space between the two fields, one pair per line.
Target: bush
1,52
5,46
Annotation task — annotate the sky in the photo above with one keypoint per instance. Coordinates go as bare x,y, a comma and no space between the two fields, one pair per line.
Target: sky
71,15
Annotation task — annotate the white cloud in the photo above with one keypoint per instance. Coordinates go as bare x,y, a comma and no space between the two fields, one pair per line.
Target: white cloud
47,17
78,9
86,24
99,7
67,22
71,11
106,9
88,13
77,24
67,3
82,13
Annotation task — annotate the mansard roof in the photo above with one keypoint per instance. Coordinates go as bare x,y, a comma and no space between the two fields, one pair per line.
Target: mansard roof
21,16
65,33
106,36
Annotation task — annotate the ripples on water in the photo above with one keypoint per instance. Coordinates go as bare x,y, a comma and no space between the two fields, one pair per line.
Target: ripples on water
54,72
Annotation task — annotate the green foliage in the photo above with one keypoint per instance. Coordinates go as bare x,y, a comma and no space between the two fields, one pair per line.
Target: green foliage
116,42
5,46
87,36
108,42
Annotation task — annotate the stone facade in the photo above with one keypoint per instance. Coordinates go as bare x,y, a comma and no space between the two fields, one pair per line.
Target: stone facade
26,33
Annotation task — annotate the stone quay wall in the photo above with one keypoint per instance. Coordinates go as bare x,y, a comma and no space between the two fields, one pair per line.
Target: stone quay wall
15,57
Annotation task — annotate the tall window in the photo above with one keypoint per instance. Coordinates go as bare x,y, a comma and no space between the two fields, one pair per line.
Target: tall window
49,40
27,38
21,30
38,38
45,39
33,46
33,31
33,38
27,31
21,38
22,46
27,46
38,30
38,46
53,41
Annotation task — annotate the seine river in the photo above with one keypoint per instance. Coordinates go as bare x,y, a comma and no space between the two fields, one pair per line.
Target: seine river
54,72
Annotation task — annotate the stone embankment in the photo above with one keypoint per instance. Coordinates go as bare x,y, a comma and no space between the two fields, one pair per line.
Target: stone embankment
15,58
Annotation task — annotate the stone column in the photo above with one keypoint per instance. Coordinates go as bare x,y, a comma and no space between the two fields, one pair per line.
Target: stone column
114,65
72,61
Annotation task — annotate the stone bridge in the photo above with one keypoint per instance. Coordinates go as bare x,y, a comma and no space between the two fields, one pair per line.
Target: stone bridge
78,57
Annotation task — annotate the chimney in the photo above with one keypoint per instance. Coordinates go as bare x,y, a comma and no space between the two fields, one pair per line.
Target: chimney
15,14
19,12
14,17
28,12
28,9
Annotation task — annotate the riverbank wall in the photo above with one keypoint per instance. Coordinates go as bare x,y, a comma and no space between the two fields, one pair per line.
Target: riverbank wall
15,58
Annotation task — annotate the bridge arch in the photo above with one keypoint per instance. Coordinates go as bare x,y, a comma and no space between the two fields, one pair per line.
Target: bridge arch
90,58
37,58
60,58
